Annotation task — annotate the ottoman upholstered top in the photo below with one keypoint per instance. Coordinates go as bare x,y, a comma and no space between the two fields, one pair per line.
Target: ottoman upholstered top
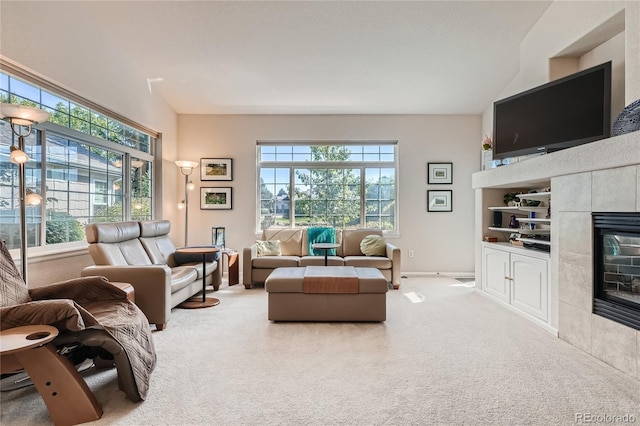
326,279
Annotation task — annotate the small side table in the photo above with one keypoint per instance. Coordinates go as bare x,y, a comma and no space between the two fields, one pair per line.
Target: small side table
196,302
326,247
65,393
232,265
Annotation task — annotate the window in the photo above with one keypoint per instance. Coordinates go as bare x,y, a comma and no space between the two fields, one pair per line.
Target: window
87,166
344,185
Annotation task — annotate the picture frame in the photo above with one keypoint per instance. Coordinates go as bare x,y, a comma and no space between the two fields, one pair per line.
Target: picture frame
440,201
216,169
215,198
439,173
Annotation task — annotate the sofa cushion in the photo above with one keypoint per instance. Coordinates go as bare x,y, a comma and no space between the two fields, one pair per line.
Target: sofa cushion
368,261
182,276
290,239
272,262
351,239
111,232
373,245
319,261
154,228
268,248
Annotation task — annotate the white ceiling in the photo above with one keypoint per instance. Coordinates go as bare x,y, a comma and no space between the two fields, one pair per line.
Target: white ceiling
321,57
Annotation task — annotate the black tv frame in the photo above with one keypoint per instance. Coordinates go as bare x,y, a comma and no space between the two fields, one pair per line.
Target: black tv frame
544,148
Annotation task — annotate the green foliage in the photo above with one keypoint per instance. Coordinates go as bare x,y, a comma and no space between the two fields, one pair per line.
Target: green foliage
333,195
62,228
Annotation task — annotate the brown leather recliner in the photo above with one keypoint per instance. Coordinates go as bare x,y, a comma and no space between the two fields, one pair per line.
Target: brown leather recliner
142,254
89,312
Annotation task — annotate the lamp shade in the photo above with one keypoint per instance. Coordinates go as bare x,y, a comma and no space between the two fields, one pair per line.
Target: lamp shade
23,115
18,156
186,164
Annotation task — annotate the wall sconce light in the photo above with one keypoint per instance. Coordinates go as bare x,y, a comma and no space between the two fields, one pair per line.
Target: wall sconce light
186,168
22,118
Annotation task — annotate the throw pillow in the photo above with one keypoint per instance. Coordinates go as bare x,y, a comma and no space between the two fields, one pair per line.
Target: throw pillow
321,235
373,245
268,248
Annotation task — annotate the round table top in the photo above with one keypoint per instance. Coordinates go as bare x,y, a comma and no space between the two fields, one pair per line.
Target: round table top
26,337
324,245
198,250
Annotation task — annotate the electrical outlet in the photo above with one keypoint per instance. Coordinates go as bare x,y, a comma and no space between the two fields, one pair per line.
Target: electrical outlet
410,253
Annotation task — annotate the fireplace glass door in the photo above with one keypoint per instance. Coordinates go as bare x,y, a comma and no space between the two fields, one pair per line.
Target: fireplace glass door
617,267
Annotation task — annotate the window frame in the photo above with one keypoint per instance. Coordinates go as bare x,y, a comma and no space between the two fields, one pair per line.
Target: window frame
296,165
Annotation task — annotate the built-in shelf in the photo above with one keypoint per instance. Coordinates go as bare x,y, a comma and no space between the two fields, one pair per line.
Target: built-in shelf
524,231
535,220
535,241
535,196
525,210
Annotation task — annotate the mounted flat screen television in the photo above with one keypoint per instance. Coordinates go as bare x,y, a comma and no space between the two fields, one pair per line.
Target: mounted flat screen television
566,112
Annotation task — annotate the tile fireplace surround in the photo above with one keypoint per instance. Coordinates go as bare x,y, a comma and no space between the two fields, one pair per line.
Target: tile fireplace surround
602,176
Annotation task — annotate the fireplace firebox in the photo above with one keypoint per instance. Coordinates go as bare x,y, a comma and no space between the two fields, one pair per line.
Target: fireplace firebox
616,267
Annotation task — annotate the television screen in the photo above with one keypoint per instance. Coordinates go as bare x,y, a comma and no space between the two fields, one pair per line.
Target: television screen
563,113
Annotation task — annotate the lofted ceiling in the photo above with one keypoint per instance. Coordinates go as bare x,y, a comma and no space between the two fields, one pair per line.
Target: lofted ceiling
321,57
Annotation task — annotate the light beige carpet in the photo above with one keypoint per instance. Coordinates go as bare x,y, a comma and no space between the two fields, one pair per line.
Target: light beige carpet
445,356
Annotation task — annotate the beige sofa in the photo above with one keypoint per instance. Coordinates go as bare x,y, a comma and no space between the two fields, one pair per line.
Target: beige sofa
295,253
142,254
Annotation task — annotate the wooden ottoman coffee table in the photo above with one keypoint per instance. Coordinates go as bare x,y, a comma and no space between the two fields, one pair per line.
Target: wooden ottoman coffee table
327,293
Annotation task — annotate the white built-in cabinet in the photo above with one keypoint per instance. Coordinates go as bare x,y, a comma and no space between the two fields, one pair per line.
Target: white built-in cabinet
518,278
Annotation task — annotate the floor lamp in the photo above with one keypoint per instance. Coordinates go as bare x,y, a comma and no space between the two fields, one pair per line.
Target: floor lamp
21,118
186,168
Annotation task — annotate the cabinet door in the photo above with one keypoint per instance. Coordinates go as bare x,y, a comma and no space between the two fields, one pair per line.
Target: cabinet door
529,285
496,273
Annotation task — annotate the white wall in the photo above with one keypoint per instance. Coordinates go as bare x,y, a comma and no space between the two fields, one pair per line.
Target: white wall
442,242
579,23
36,36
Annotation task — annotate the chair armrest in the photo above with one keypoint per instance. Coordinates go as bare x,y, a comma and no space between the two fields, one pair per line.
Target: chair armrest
152,285
394,254
76,290
60,313
248,254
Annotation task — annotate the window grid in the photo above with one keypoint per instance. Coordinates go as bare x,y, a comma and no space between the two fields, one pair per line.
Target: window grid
69,114
339,185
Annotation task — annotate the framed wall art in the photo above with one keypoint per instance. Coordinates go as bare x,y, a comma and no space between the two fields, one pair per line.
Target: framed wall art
439,173
216,169
215,198
439,201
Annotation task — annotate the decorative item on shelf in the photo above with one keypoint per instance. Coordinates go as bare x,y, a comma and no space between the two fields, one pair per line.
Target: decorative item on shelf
628,120
487,153
511,198
487,143
531,203
513,223
218,236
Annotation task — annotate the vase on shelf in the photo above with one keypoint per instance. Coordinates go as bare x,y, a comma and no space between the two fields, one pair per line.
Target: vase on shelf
487,159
